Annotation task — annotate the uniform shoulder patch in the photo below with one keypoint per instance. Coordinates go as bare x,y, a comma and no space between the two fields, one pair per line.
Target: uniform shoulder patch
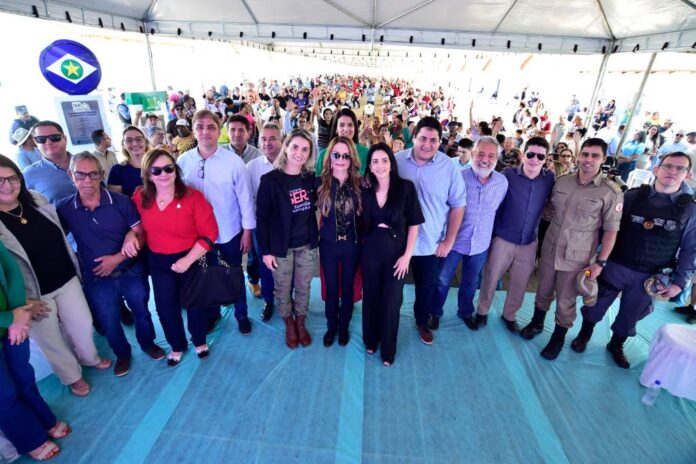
612,185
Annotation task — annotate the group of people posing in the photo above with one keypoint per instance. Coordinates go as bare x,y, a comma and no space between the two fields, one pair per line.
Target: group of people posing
358,211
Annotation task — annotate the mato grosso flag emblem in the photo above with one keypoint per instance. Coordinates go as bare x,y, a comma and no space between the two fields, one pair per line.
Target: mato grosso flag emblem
70,67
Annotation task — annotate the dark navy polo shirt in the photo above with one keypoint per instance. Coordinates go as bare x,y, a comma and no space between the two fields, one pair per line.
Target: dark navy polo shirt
99,232
518,216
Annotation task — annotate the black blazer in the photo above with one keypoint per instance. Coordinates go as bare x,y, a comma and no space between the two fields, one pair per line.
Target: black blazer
403,210
274,213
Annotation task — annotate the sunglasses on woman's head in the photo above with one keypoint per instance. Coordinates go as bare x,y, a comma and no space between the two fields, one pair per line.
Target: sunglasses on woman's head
335,155
540,156
156,170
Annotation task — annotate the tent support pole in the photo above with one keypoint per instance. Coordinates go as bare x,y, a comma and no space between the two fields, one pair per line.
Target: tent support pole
636,100
149,60
597,87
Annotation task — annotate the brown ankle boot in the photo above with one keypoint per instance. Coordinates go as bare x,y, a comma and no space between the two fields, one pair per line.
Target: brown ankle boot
305,339
290,332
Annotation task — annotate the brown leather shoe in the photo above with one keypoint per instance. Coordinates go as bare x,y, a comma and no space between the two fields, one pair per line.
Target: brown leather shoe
303,335
290,332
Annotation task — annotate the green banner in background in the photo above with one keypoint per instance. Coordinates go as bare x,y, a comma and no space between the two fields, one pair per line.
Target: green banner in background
151,101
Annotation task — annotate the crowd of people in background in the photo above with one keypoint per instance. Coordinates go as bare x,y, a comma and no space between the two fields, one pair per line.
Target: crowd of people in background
368,179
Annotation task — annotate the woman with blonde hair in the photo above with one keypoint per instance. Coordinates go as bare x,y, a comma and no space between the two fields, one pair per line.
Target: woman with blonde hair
340,204
287,231
125,177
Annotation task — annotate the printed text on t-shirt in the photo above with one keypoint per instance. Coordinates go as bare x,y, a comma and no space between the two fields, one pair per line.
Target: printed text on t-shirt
299,198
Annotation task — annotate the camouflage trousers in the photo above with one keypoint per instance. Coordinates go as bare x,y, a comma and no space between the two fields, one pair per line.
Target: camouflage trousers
292,280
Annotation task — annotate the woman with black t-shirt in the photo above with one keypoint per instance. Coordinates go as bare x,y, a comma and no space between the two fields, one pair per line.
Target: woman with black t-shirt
31,231
391,215
287,231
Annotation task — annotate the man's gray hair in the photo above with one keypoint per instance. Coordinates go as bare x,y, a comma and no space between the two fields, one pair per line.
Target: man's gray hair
273,126
487,139
84,156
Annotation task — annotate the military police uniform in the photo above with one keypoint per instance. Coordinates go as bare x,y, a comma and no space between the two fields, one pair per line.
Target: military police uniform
654,228
580,211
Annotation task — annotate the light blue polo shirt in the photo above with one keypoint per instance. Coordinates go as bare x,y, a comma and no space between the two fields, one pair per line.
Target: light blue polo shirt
49,180
440,187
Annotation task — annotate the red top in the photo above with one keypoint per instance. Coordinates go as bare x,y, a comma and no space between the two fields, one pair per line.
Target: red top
176,228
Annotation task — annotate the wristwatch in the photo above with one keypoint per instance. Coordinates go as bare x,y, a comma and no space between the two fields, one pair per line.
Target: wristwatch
602,262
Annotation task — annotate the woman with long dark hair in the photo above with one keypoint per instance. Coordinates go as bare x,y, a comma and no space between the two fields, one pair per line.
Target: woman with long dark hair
176,218
653,142
31,231
391,215
339,203
344,124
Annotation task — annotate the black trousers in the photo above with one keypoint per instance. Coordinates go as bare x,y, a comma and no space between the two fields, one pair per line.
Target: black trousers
383,293
346,255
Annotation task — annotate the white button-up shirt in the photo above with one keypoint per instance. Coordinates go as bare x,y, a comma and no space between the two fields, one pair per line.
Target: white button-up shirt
257,168
224,180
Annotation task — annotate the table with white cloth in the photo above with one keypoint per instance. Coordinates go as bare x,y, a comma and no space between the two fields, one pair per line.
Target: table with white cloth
672,361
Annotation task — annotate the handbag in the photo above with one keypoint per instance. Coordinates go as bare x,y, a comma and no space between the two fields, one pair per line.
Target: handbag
211,284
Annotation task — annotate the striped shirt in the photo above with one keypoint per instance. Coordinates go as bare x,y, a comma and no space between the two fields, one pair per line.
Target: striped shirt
482,201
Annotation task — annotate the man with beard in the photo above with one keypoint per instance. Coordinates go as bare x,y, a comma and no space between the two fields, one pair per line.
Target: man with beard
485,190
585,202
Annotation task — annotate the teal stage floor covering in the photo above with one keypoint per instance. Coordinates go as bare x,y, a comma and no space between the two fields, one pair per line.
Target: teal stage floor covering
472,397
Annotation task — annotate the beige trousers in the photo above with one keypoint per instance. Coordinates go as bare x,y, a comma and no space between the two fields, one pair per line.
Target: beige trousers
65,336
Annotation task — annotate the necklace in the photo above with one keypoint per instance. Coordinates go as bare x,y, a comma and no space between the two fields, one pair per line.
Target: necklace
164,201
19,216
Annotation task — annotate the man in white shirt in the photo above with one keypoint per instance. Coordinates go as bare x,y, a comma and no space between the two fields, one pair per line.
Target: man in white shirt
270,140
224,180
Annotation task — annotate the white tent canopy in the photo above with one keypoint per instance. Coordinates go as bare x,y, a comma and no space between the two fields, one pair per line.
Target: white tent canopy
577,26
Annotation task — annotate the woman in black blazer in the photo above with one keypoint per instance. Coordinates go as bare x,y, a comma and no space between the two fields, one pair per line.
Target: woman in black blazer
287,231
391,215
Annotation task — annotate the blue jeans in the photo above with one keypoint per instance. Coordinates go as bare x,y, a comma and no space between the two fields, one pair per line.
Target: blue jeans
265,273
253,265
104,295
424,270
471,270
626,169
25,417
233,255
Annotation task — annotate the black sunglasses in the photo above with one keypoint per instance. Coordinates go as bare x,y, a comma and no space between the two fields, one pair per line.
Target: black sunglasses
53,138
156,170
540,156
336,155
